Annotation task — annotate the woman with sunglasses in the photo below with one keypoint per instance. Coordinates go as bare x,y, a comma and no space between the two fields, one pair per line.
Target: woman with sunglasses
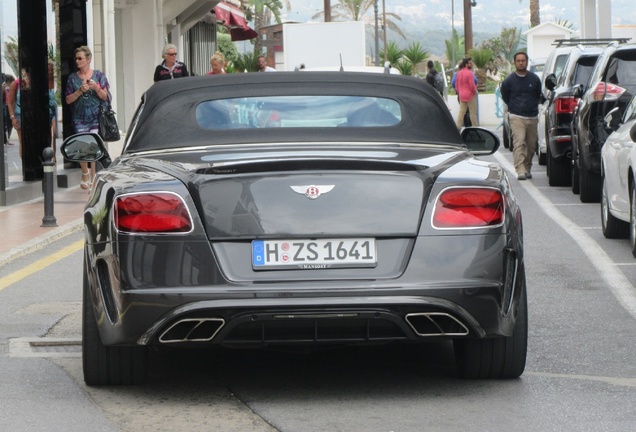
86,90
171,68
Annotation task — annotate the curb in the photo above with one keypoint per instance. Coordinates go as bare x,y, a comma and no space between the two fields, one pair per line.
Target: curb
41,241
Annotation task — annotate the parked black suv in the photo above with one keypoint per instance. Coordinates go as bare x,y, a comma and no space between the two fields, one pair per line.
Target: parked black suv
612,84
558,109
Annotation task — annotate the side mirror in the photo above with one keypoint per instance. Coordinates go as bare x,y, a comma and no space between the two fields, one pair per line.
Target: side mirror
551,82
480,142
577,91
613,119
85,147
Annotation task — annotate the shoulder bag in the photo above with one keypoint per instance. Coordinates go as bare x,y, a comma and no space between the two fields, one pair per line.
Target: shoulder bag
108,129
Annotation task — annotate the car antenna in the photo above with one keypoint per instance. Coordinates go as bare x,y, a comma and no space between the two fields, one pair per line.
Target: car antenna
341,68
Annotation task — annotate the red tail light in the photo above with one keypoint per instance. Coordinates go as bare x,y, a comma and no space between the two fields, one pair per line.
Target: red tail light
151,213
565,105
468,208
607,91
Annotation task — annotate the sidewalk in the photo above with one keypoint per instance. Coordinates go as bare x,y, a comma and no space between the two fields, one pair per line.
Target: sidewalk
20,223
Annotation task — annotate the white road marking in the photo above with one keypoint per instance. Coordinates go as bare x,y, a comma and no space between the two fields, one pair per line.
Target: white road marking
619,285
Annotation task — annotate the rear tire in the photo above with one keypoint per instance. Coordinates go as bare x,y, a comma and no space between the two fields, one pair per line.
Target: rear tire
108,365
575,179
559,171
542,158
612,227
497,357
506,136
589,186
632,218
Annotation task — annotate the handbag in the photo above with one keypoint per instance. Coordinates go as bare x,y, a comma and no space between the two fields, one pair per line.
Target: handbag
108,129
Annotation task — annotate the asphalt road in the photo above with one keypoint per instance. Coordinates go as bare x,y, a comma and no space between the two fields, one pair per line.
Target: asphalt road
580,376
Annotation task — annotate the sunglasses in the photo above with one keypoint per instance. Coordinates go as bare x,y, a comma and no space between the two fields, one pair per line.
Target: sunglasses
80,58
171,54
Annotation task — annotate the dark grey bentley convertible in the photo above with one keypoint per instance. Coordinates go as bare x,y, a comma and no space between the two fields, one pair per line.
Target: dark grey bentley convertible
299,208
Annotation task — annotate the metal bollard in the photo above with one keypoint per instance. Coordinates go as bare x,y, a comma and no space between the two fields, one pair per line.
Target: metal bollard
47,185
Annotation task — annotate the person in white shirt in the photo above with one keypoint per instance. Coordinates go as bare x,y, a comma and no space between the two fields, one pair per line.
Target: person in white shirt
262,65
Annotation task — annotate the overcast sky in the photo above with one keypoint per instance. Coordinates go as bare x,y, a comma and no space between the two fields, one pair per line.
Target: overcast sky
488,15
9,24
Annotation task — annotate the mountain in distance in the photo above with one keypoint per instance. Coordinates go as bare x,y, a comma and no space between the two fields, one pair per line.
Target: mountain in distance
430,21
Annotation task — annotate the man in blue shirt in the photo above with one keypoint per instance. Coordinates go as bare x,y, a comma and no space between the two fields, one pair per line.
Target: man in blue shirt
521,91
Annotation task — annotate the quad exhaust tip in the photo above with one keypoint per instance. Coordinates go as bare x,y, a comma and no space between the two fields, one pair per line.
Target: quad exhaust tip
192,330
436,324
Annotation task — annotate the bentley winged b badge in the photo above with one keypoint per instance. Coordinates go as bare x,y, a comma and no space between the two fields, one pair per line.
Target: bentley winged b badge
312,191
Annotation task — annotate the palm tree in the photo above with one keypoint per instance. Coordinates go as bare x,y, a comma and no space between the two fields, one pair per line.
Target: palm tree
454,48
12,55
481,58
262,12
535,18
415,55
361,10
393,53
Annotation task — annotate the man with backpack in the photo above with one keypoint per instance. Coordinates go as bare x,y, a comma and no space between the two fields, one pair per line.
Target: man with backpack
435,78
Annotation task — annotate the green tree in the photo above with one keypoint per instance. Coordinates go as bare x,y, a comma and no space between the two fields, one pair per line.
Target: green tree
12,54
415,55
504,47
393,53
481,59
362,10
405,67
455,48
247,62
226,47
262,12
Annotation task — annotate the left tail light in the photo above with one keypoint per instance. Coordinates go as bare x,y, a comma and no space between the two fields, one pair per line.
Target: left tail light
565,105
151,213
468,207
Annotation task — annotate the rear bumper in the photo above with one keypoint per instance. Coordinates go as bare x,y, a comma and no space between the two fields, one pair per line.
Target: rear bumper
560,143
317,316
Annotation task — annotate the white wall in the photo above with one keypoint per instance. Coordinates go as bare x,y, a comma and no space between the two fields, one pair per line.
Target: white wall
487,109
138,57
323,44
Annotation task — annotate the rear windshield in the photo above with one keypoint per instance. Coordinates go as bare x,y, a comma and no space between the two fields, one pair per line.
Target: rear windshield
297,112
583,71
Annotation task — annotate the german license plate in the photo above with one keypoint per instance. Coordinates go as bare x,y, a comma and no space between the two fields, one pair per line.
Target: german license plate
313,254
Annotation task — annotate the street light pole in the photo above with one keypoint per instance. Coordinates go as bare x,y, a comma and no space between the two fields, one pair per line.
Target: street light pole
468,25
377,36
453,40
384,27
327,10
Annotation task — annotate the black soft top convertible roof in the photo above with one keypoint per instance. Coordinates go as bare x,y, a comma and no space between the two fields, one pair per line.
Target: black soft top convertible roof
167,116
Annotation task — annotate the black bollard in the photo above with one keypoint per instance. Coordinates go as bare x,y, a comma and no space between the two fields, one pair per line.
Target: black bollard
47,185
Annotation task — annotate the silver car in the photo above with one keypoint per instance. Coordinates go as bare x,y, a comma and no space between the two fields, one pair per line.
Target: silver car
618,164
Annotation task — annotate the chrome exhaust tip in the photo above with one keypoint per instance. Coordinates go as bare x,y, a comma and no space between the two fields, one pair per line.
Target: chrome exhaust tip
192,330
436,324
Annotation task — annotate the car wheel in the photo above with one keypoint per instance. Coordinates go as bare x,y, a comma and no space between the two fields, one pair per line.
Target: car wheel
575,179
496,357
542,158
506,136
559,171
612,227
589,186
105,365
632,218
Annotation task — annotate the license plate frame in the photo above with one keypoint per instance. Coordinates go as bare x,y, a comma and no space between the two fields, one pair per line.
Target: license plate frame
314,254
